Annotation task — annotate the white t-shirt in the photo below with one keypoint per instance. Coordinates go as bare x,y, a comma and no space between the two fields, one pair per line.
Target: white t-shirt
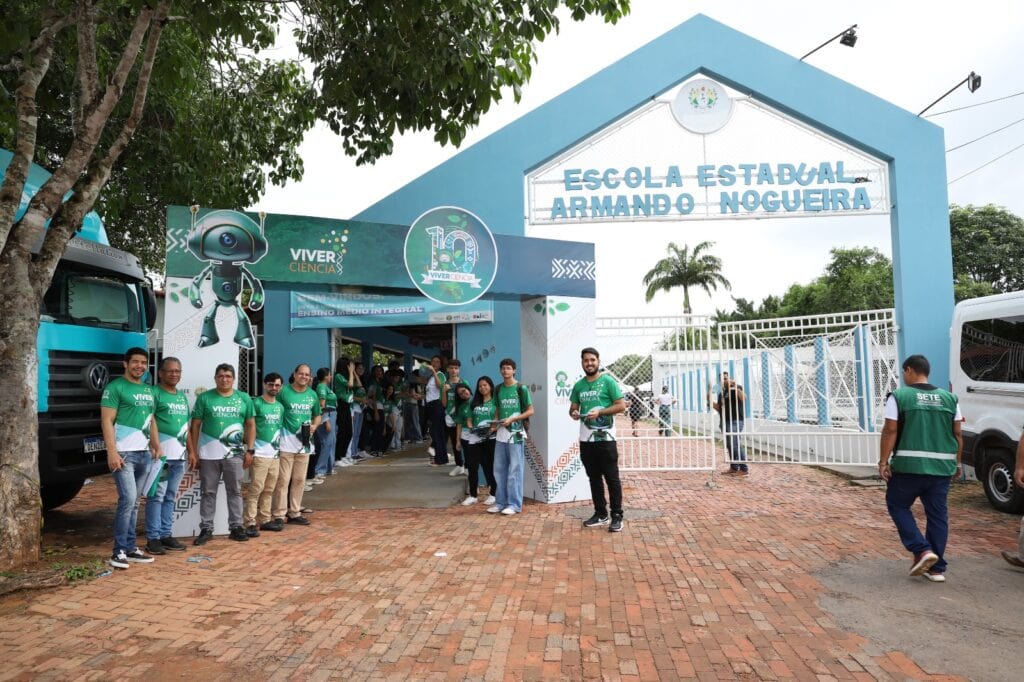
433,392
665,399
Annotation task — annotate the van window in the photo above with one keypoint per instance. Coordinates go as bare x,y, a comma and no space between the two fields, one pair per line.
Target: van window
993,349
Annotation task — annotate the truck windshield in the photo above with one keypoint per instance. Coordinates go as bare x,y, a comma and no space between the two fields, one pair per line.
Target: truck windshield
94,299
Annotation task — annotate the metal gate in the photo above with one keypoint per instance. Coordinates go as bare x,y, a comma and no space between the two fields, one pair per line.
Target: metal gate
814,388
666,425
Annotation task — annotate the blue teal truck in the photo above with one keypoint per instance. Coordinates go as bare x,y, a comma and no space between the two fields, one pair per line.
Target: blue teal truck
99,305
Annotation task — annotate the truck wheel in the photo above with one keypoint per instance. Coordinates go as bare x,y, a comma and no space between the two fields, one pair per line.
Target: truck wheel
997,478
56,495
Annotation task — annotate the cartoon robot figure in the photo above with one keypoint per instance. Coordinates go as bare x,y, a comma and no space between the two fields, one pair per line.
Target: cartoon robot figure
227,240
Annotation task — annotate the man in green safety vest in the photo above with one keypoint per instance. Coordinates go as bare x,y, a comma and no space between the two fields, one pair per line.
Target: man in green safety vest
920,455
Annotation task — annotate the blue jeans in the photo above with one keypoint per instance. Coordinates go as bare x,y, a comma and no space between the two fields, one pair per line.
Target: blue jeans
900,494
737,455
325,444
129,479
508,474
357,430
160,507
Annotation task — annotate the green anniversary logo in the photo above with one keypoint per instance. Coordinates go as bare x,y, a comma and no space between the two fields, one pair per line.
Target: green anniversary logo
450,255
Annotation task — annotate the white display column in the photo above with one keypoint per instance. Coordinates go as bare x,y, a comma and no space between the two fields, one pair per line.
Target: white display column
554,331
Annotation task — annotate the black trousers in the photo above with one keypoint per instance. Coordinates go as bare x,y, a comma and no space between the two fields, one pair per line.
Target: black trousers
435,411
601,461
344,424
480,455
451,435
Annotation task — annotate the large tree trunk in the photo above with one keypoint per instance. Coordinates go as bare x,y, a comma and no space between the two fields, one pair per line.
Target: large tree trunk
20,518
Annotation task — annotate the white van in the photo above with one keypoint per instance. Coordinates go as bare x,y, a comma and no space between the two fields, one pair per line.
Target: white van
986,370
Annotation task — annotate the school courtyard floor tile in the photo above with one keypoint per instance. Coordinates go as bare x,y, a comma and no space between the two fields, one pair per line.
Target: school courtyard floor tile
705,582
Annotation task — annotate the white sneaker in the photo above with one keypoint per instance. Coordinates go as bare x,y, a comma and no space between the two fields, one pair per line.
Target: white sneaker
430,451
307,488
469,501
318,480
509,511
493,509
935,577
455,472
490,500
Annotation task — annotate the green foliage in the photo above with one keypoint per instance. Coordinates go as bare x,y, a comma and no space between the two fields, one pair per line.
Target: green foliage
79,572
683,268
857,278
631,369
988,250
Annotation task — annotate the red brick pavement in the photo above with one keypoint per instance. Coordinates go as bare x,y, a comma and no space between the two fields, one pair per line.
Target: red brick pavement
717,585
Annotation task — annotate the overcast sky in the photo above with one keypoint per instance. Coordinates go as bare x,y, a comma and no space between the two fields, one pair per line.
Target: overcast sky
908,53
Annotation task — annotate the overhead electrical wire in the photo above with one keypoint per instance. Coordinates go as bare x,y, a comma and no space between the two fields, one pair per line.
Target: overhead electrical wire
961,146
987,163
971,106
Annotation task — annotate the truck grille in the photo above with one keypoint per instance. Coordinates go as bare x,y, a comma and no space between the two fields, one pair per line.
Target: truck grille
74,406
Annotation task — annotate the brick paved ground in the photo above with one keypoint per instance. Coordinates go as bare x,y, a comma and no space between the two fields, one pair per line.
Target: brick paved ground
714,584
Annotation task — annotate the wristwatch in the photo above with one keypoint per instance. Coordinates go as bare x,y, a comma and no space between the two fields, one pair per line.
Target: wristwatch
250,451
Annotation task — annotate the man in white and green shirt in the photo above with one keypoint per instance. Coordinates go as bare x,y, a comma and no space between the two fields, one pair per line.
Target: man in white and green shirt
920,454
301,417
514,406
222,437
269,420
132,441
172,416
594,401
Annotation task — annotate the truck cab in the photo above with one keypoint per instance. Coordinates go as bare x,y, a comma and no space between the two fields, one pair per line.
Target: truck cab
99,304
987,374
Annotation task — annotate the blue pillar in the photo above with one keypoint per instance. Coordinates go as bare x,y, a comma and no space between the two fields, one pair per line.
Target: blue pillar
766,385
746,383
790,385
821,372
863,367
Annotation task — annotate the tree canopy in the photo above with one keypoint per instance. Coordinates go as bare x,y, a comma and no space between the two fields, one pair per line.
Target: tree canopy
683,268
988,250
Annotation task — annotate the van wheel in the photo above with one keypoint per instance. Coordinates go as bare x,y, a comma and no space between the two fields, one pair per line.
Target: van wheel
997,478
54,496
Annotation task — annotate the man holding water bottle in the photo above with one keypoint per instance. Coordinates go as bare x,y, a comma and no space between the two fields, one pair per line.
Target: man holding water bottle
594,402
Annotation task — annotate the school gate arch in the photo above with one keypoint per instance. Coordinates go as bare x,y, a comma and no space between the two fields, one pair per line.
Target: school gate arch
489,178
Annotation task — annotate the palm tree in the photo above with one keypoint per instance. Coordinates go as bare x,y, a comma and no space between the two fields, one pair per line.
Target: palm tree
683,268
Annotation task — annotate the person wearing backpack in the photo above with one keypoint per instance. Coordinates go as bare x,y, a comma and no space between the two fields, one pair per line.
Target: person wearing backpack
514,409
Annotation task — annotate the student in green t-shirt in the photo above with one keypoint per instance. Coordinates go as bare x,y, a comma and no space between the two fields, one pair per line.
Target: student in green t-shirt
269,419
345,382
133,442
223,433
171,415
594,401
514,406
301,418
477,416
434,380
326,433
452,430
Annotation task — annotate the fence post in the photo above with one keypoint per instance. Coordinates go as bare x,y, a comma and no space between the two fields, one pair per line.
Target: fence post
821,349
766,385
790,355
865,393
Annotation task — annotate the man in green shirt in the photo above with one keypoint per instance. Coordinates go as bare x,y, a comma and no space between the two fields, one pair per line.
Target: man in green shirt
269,419
453,431
514,407
222,439
132,440
594,401
301,417
920,454
171,415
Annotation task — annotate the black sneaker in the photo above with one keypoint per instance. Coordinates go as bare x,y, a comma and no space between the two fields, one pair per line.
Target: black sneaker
616,525
238,534
252,531
596,520
154,546
172,544
300,520
205,535
275,525
139,557
119,560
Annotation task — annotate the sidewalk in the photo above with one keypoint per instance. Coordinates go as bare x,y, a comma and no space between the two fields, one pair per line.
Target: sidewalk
704,583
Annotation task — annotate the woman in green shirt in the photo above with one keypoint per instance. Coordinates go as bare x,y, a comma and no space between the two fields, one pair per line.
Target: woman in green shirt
479,422
345,382
326,433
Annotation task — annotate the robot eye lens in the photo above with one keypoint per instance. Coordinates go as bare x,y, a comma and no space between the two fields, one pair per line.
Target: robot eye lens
228,240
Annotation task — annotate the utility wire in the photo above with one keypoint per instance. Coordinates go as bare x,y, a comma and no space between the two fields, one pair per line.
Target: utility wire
971,106
961,146
985,164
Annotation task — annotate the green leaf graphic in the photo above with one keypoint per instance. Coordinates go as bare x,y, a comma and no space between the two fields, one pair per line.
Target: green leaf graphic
562,306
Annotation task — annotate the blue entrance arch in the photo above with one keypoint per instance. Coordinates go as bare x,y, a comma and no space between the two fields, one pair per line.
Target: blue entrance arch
488,177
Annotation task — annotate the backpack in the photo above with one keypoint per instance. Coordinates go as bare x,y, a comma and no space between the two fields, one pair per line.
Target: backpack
526,422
